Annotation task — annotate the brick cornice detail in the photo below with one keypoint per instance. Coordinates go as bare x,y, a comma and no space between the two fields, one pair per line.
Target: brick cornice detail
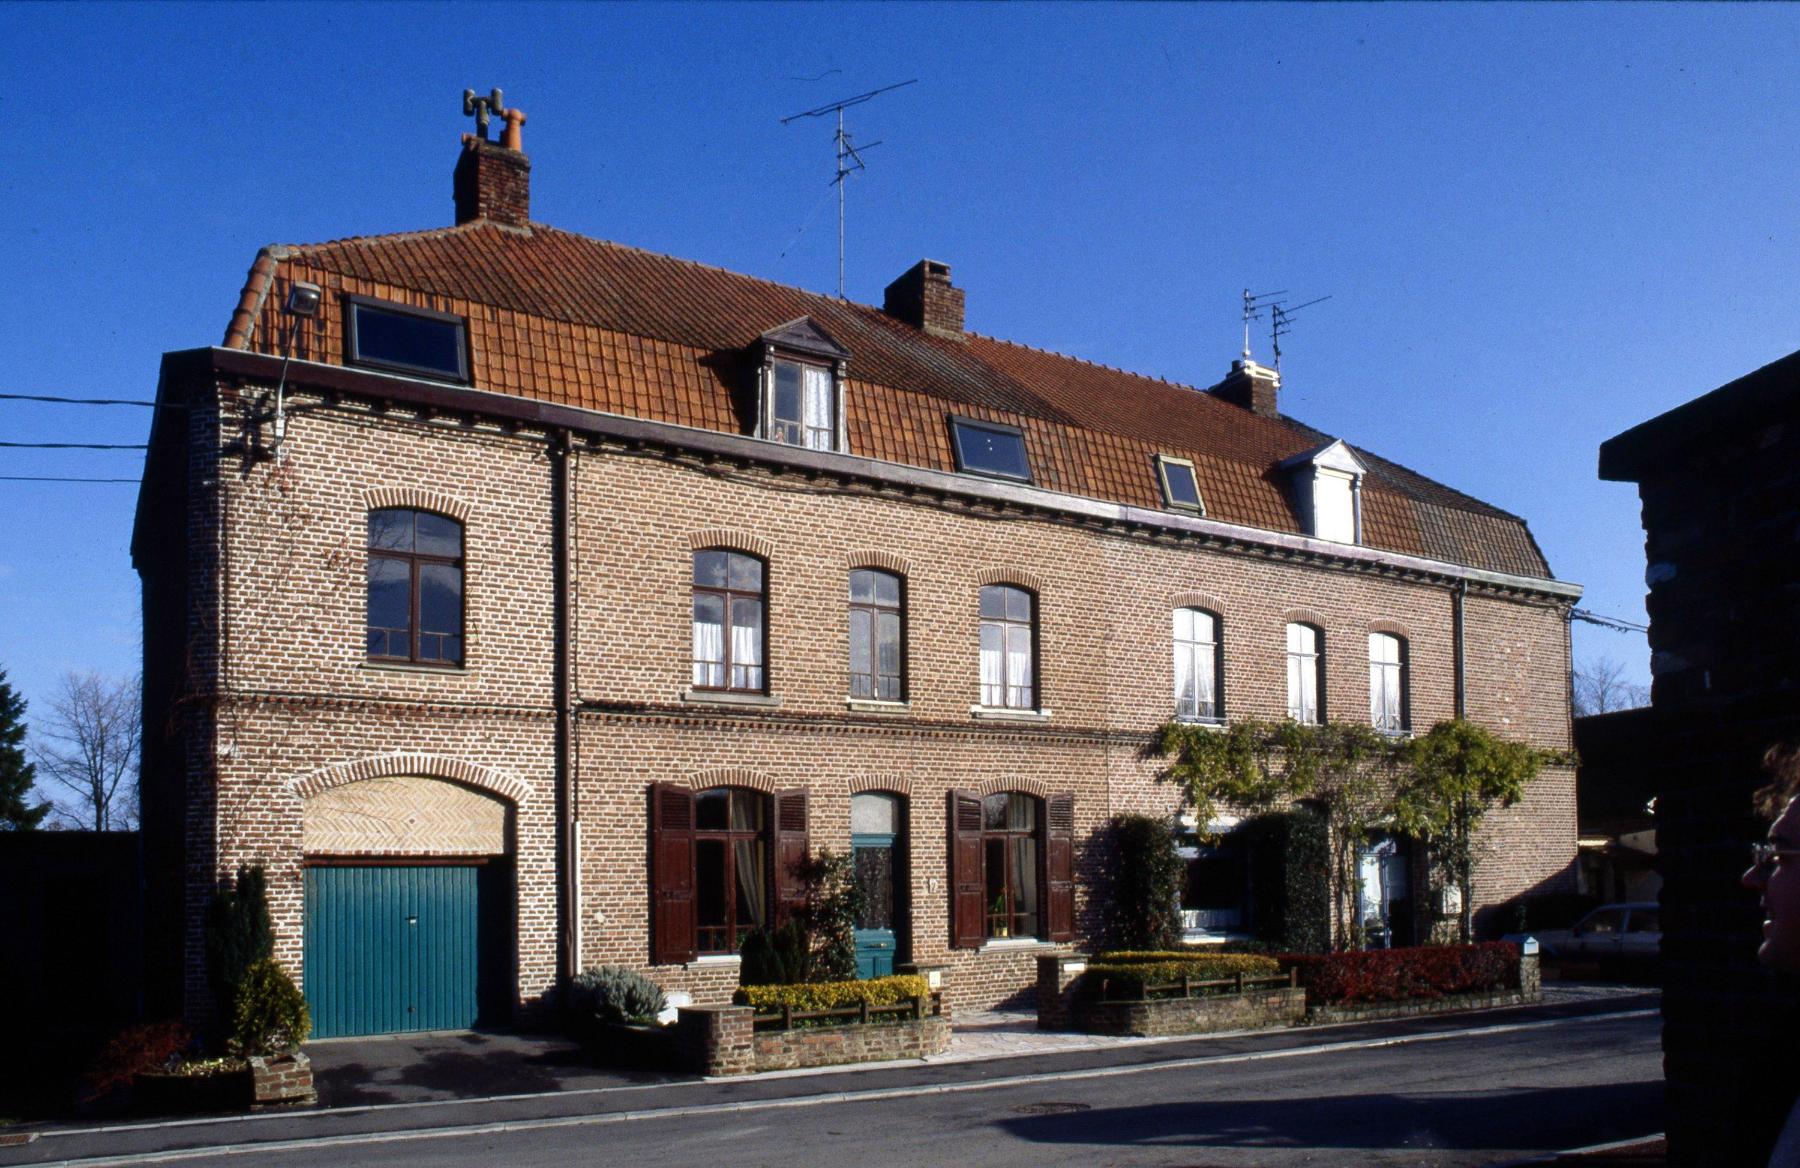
429,766
732,777
417,498
1204,600
1024,786
886,561
888,784
1384,625
726,537
1302,616
1016,576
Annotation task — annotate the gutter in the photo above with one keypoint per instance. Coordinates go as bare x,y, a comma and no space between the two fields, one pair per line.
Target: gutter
443,398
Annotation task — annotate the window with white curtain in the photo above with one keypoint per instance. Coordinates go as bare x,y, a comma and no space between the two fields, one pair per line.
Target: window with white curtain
1303,673
1197,665
803,410
1387,683
729,629
1008,619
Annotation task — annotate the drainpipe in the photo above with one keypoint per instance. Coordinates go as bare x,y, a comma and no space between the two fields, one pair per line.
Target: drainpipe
567,910
1457,600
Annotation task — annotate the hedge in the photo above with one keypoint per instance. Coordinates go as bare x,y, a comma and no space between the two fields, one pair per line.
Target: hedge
833,995
1129,972
1399,975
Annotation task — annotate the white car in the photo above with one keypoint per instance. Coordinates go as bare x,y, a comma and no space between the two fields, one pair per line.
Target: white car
1613,934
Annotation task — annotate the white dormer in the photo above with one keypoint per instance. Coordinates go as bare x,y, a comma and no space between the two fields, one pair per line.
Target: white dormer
799,379
1328,491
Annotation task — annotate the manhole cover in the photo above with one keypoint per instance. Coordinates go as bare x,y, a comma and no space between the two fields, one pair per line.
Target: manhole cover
1052,1108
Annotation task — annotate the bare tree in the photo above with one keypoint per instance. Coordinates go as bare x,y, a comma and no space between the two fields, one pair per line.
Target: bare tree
88,744
1600,687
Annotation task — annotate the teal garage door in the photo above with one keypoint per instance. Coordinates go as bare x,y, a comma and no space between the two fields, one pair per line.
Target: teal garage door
392,948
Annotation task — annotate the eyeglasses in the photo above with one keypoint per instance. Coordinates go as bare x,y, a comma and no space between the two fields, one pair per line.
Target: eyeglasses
1763,856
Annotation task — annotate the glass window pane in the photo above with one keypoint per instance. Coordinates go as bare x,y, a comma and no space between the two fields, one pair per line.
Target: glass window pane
1024,881
399,338
440,598
1300,639
746,573
997,452
993,676
1021,813
861,649
1018,604
875,881
787,392
889,641
438,536
1203,627
747,809
998,911
1183,491
862,586
709,569
391,530
390,600
993,813
887,588
993,601
710,896
709,639
712,809
1018,666
873,813
1184,624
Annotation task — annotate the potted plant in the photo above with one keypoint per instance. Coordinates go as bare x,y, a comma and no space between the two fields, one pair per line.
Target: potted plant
999,924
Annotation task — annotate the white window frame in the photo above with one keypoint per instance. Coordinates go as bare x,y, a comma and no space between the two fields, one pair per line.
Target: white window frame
1202,658
1387,683
820,428
1305,672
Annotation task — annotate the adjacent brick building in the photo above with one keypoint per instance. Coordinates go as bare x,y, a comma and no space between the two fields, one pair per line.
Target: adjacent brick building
525,602
1720,483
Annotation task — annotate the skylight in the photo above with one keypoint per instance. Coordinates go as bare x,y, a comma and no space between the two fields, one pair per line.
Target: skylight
990,448
406,339
1181,490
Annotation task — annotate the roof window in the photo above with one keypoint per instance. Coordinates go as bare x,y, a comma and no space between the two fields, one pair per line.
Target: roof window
405,339
1181,490
989,448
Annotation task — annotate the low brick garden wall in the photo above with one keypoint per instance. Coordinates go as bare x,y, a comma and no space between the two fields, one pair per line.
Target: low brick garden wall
1062,1007
1531,989
723,1040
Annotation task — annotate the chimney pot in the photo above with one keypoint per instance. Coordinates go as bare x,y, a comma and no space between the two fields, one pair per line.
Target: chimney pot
925,299
493,180
1250,386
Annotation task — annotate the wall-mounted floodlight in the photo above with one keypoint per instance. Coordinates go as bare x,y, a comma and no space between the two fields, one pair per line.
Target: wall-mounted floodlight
303,299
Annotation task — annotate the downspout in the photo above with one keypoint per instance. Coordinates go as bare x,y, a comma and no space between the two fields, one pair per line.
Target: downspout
566,858
1457,600
1466,910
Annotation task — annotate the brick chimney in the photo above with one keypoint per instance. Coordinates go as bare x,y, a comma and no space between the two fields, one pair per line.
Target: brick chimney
493,180
924,298
1250,386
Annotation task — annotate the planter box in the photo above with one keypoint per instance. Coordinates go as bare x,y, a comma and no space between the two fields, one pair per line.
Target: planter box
1158,1017
1449,1003
156,1093
723,1040
282,1080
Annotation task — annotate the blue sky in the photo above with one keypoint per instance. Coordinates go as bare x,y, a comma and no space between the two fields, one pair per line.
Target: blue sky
1538,224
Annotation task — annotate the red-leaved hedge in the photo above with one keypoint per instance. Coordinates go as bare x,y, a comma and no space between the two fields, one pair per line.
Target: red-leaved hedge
1399,975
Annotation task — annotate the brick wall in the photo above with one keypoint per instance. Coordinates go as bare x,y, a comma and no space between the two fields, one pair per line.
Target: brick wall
278,563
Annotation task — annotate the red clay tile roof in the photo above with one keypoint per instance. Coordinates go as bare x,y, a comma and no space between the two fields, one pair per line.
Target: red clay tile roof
564,318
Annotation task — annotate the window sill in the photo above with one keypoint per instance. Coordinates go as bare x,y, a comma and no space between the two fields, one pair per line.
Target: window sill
714,961
1203,723
1016,945
874,706
413,667
1007,714
709,697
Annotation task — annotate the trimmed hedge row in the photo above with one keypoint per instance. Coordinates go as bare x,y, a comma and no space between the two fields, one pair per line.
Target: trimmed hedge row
833,995
1130,972
1400,975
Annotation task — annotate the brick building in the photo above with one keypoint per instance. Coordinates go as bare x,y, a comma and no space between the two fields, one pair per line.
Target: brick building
525,602
1719,482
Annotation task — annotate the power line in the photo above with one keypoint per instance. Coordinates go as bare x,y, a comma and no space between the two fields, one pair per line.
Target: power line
93,401
1616,624
76,445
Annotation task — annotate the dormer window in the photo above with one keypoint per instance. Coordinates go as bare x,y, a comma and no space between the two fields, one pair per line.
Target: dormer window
405,339
989,448
1328,492
800,394
1181,490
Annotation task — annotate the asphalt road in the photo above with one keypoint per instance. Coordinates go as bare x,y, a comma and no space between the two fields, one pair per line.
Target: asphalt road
1493,1094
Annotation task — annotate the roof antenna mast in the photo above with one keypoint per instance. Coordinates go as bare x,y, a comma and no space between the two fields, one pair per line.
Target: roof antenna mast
1255,304
1281,322
848,158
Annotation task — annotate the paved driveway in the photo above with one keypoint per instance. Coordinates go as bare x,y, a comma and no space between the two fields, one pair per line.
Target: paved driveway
456,1064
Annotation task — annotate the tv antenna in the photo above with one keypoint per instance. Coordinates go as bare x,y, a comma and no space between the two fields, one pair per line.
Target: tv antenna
849,158
1255,305
1281,319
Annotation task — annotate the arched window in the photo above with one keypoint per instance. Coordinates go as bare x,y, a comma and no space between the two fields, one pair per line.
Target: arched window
1012,867
730,634
1305,673
1008,634
724,862
1198,694
731,867
877,631
415,611
1009,846
1387,683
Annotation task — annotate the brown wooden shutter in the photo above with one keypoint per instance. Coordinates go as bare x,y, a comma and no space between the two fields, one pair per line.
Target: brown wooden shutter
968,916
790,854
1059,867
672,939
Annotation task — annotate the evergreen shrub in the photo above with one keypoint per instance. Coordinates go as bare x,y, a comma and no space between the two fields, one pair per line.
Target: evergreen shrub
269,1015
835,995
608,993
1142,883
1127,973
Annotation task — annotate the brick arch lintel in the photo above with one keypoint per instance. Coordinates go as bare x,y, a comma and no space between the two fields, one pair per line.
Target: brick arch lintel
886,561
1384,625
886,784
1204,600
1016,576
382,766
732,777
1023,786
417,498
1303,616
729,537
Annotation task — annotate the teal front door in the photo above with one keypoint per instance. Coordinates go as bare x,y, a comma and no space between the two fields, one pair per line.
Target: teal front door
875,879
392,948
